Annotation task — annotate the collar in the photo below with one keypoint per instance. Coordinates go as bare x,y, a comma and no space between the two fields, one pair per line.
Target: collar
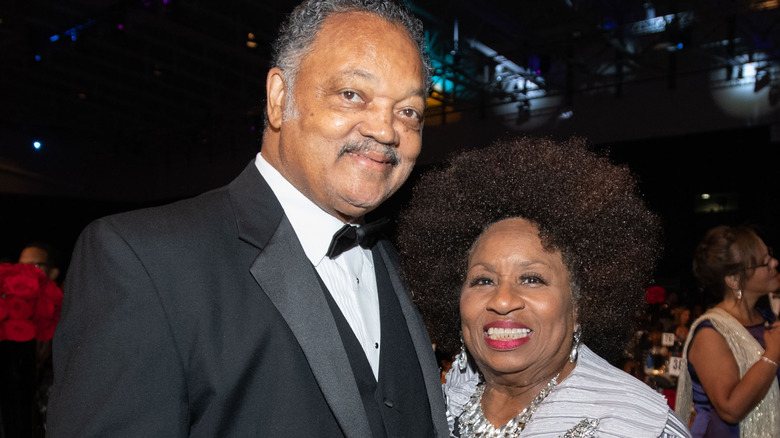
313,226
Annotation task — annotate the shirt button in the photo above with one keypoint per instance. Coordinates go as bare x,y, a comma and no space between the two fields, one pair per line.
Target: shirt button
389,403
376,345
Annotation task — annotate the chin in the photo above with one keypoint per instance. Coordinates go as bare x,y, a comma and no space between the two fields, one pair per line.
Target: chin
362,203
351,211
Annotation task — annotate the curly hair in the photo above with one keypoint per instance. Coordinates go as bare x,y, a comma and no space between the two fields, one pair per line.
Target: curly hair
299,31
725,251
584,206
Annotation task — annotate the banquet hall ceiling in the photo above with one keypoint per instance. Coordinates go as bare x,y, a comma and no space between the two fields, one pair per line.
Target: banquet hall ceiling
136,79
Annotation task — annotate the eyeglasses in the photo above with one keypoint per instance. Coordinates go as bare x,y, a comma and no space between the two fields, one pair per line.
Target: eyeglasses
770,255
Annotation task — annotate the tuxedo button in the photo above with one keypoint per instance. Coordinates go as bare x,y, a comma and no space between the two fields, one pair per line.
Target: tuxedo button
389,403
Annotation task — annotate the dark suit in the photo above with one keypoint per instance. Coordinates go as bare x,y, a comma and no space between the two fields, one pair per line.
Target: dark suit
205,318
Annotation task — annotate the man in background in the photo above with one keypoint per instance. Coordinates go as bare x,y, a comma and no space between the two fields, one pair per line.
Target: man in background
25,367
44,256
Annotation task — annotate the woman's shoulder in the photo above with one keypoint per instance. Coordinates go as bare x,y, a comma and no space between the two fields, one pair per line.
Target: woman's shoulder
594,371
596,390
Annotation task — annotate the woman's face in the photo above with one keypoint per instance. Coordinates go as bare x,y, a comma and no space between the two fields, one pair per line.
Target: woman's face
516,307
764,278
685,316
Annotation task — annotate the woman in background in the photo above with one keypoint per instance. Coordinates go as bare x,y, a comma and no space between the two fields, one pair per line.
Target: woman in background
733,349
682,319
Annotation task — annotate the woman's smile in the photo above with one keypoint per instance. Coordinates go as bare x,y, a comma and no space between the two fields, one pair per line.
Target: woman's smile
506,335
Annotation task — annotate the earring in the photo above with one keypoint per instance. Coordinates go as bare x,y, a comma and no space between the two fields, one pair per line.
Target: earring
739,294
575,344
462,359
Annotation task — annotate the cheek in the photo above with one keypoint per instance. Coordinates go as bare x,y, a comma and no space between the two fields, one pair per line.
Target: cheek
558,315
319,123
469,310
411,144
464,314
552,306
339,124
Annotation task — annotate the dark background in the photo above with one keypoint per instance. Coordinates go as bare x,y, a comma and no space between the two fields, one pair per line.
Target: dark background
141,102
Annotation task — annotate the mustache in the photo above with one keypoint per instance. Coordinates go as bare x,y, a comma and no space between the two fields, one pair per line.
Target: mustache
372,146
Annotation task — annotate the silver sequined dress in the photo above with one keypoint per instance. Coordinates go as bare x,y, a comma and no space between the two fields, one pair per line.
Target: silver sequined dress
595,400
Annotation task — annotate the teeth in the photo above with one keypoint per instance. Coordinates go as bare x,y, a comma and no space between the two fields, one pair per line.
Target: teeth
504,334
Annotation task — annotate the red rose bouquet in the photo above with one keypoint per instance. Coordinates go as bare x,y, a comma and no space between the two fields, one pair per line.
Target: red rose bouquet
30,303
655,295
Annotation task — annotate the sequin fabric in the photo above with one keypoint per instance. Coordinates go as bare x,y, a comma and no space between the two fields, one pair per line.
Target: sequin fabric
584,429
624,406
473,423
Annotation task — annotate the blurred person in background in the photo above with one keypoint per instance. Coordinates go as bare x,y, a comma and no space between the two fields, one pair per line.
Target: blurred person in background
682,321
730,384
44,256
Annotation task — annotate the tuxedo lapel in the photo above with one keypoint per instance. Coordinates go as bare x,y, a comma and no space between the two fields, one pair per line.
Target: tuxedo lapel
289,280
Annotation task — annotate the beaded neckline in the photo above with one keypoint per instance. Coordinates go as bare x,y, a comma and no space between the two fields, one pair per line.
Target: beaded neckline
473,423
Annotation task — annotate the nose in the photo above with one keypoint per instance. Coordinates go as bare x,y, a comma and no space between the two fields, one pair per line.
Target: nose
378,124
505,299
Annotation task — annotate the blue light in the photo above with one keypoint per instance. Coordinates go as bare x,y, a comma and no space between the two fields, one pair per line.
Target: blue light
37,57
73,32
37,144
442,83
679,46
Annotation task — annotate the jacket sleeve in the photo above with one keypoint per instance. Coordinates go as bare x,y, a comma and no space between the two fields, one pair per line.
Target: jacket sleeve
116,367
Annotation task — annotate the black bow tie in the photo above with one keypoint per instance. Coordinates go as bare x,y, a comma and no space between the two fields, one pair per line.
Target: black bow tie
350,236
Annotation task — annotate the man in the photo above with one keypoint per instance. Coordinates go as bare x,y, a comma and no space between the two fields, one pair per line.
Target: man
226,315
44,256
25,366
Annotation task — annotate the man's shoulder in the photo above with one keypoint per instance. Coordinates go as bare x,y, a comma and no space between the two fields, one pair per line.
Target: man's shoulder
183,210
191,216
208,206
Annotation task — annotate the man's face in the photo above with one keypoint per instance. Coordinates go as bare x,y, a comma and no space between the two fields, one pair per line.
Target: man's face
354,131
38,257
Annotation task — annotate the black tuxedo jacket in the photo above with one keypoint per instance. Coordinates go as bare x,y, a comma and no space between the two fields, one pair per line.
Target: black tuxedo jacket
204,318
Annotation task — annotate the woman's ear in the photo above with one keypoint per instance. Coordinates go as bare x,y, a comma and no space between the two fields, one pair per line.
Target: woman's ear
732,281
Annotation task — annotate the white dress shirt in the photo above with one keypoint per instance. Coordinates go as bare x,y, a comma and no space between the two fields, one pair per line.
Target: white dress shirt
350,277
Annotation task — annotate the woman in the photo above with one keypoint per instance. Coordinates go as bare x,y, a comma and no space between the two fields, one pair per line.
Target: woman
544,250
682,317
733,349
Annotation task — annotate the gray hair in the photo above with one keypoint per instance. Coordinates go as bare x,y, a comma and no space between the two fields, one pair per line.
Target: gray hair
300,29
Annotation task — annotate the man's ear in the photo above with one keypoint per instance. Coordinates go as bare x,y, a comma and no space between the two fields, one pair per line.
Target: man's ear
275,90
